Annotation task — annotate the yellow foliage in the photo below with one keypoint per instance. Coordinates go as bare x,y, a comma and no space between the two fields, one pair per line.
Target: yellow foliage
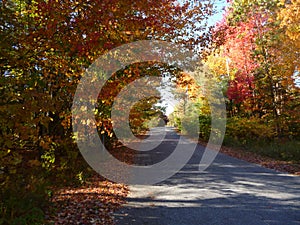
218,65
187,83
290,20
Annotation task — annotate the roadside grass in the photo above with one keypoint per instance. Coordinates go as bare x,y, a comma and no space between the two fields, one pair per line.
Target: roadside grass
287,151
276,149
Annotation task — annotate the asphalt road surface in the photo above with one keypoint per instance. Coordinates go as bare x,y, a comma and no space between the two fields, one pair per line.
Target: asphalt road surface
230,191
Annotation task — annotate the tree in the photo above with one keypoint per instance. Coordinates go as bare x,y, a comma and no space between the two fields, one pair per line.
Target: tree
289,17
45,47
261,59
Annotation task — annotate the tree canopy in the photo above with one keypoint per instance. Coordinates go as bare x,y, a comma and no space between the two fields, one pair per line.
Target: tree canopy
46,45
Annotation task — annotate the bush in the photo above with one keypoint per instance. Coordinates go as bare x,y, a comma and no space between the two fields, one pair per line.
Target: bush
189,125
277,149
204,127
256,135
22,203
242,131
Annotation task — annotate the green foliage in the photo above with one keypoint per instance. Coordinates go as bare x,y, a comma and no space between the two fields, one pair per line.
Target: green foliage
204,126
192,125
245,129
23,199
25,211
256,135
288,150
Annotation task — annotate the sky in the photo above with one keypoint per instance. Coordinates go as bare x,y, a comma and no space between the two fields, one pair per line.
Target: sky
219,5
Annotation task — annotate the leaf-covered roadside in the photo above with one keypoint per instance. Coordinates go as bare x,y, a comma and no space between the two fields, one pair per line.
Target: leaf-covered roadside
91,203
279,165
268,162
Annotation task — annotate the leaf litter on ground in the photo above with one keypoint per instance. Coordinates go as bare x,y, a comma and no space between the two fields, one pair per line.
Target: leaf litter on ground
92,203
95,201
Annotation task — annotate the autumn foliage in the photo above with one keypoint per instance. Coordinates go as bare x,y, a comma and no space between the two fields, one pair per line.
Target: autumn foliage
257,55
255,62
46,45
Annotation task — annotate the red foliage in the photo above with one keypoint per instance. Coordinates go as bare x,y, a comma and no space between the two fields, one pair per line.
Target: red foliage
239,43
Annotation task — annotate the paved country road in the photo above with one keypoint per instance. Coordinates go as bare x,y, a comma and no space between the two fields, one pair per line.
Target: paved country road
230,192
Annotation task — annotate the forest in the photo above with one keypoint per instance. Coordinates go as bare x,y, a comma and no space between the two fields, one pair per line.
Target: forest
255,60
46,45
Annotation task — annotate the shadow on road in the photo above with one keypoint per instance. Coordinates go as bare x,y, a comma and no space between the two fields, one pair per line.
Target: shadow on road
230,191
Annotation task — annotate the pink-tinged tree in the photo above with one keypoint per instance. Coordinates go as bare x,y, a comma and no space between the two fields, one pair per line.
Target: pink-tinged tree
262,57
238,45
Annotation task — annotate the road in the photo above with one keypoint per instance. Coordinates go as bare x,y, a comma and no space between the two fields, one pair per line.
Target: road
230,191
